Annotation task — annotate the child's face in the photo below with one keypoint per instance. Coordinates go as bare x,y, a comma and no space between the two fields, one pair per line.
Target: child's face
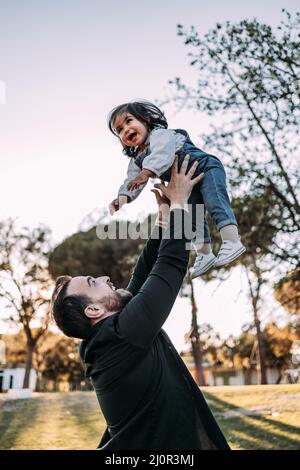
130,130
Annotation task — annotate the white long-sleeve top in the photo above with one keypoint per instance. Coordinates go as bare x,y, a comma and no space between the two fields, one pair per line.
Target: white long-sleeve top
162,144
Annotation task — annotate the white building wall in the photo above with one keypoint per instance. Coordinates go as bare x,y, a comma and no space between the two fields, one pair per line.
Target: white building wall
16,376
32,379
253,377
219,381
209,378
10,376
272,376
237,379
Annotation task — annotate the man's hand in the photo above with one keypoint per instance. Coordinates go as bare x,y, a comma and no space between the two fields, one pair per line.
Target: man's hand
163,208
117,203
181,184
140,179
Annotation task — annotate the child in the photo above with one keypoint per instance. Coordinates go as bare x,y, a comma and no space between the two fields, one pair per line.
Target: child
151,147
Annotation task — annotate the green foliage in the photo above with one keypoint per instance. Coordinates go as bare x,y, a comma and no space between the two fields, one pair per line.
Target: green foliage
25,281
240,351
248,82
278,345
85,254
62,362
287,291
15,349
56,357
248,88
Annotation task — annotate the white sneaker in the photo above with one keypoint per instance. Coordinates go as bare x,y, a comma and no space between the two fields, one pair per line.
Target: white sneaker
229,251
202,264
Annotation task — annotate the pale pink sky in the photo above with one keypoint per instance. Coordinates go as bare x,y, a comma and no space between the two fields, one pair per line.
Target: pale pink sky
65,65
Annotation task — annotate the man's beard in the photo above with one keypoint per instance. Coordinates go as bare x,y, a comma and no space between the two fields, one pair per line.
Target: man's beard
117,300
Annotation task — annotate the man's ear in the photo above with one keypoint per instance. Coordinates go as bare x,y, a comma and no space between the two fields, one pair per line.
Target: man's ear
94,311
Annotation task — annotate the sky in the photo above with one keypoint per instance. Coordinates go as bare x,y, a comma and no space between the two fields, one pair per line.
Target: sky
63,67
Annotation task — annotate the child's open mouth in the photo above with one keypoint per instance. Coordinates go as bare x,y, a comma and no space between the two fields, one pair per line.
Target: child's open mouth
132,136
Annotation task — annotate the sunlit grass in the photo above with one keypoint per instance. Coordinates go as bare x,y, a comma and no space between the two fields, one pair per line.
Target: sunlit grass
51,421
258,417
251,417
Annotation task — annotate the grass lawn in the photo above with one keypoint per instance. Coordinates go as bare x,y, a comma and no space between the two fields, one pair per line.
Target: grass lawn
251,417
258,416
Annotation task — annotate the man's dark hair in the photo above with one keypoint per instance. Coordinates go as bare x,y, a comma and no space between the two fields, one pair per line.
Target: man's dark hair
144,111
68,310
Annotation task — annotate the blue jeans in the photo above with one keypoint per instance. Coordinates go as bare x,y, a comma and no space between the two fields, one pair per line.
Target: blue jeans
212,193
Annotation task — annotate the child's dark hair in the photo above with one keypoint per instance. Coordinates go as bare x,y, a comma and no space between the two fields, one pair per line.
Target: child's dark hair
144,111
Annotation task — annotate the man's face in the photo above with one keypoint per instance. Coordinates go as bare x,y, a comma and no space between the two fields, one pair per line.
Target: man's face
94,288
130,130
99,290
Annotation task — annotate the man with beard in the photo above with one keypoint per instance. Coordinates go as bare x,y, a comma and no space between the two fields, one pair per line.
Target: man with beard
146,394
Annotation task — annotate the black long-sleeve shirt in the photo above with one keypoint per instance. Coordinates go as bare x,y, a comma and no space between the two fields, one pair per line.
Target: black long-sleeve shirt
147,395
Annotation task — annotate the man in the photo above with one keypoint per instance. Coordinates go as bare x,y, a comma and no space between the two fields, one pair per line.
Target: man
147,395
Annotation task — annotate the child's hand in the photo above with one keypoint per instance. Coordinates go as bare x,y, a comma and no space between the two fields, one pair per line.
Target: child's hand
117,203
141,178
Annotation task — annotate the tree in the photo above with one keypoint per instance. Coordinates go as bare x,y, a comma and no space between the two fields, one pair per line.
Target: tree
210,342
241,351
257,216
255,284
194,334
287,291
15,349
25,282
85,254
278,346
55,359
62,362
248,87
248,82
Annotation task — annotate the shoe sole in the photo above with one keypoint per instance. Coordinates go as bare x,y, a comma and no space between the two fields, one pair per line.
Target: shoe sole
231,257
204,269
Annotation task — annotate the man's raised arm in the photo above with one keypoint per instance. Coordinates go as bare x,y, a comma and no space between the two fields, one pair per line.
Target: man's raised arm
148,256
142,318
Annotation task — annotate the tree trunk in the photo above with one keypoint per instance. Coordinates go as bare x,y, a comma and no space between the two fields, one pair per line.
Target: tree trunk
195,342
197,355
261,356
279,375
255,296
30,349
247,376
